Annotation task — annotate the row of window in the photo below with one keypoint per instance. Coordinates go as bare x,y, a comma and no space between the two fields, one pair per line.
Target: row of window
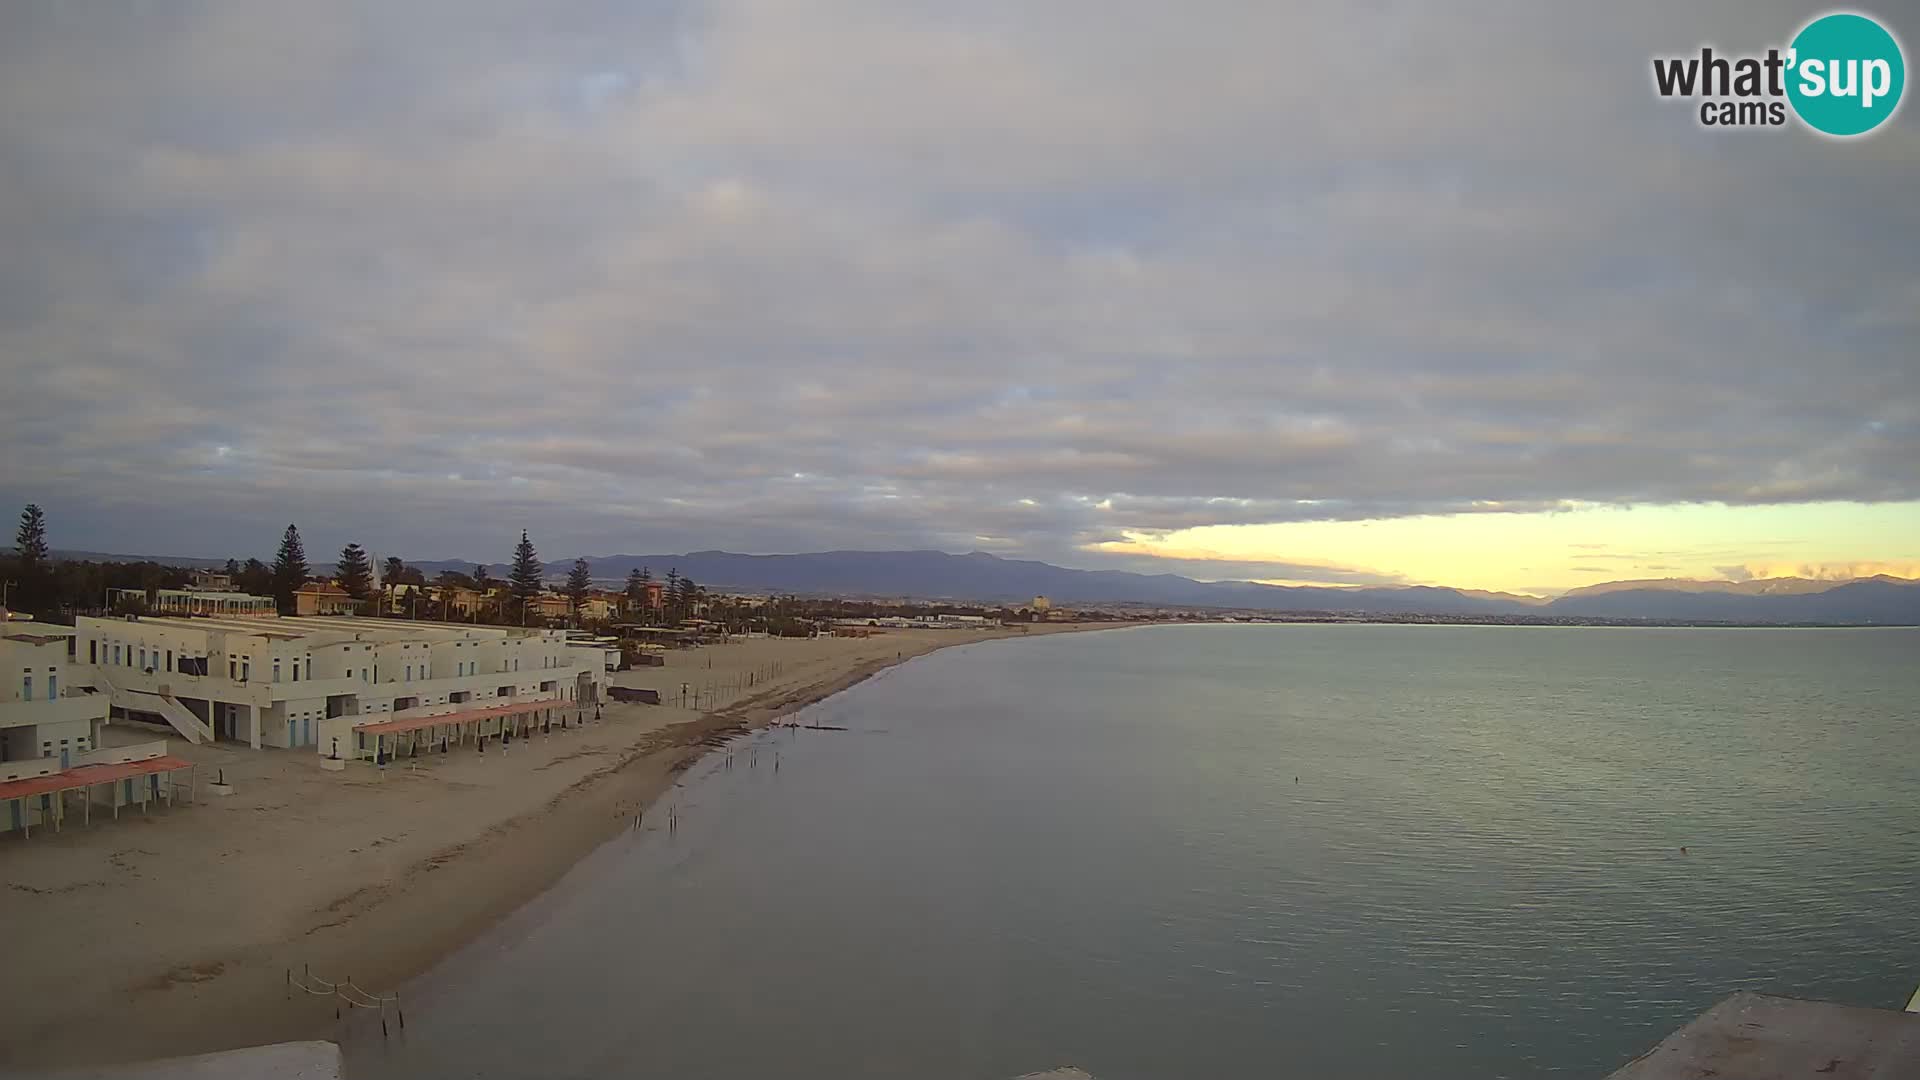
240,668
26,684
145,659
79,746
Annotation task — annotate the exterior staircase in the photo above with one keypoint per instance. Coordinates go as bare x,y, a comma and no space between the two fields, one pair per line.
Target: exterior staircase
163,704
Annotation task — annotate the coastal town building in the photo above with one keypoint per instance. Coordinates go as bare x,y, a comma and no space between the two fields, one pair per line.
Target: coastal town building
45,714
596,648
403,598
322,598
191,602
50,738
455,601
314,681
547,605
652,601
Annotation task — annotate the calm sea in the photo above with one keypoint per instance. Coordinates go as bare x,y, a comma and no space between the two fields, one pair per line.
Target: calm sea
1224,851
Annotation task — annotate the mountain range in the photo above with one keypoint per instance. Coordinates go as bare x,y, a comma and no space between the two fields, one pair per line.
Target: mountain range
982,577
985,578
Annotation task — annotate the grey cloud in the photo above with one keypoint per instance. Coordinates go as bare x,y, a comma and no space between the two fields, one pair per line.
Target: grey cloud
737,275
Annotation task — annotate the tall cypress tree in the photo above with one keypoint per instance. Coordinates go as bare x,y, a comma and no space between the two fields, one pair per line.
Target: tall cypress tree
579,583
356,573
289,569
30,540
34,592
636,590
526,574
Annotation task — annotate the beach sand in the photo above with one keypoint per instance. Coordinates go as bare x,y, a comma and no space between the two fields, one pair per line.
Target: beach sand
172,933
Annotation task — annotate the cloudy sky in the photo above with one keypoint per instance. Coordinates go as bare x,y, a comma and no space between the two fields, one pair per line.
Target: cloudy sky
1363,292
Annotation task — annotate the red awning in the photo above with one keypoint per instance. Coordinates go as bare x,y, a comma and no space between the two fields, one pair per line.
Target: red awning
89,775
415,723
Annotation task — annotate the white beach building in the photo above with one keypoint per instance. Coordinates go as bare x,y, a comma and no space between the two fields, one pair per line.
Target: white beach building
45,711
325,682
50,736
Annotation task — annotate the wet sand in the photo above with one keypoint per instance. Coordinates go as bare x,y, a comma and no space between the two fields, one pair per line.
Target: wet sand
172,933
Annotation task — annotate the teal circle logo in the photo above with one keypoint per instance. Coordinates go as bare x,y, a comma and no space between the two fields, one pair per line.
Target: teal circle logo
1845,74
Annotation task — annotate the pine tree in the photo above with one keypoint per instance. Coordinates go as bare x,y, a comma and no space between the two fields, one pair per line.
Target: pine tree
256,578
32,562
233,570
355,572
636,591
525,575
688,598
482,581
670,596
30,541
579,583
393,572
289,569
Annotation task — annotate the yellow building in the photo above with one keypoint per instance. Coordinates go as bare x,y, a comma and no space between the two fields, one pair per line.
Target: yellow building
322,598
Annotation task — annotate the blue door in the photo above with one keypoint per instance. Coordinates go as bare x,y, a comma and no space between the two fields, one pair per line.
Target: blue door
290,741
306,731
63,758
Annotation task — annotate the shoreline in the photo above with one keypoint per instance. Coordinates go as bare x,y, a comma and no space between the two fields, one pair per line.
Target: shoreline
391,922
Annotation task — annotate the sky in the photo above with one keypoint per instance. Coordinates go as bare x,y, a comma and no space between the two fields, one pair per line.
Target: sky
1367,293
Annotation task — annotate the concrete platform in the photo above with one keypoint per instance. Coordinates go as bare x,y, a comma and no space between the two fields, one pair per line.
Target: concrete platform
1758,1037
281,1061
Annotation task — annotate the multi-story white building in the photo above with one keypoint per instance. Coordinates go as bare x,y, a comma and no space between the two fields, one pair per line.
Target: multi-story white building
195,602
44,710
311,681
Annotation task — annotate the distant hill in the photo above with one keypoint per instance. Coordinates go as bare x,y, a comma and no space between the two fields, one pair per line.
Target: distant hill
164,560
1756,587
983,578
1871,600
980,577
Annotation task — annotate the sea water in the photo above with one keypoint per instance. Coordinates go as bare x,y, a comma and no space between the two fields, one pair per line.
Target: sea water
1451,853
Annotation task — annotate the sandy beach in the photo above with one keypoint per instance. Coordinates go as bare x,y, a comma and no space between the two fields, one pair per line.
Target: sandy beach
177,928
